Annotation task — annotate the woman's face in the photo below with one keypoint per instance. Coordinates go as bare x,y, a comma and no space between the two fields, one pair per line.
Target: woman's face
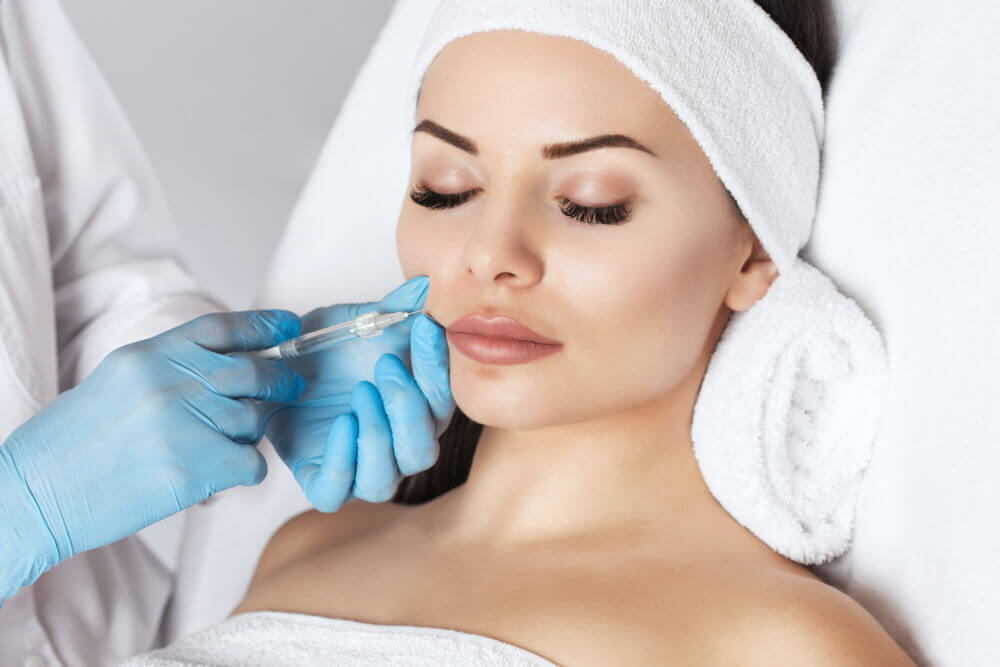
634,292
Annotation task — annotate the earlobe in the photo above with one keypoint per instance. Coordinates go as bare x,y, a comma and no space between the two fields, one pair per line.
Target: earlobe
752,283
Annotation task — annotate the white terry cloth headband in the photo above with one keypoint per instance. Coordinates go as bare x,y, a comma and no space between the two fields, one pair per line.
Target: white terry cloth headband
786,416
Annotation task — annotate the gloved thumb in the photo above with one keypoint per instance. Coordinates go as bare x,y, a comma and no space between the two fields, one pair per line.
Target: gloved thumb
409,296
431,369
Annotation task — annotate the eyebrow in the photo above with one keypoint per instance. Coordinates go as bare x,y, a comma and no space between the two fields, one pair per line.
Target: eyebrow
549,152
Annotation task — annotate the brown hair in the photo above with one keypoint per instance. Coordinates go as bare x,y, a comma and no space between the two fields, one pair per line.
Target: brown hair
809,25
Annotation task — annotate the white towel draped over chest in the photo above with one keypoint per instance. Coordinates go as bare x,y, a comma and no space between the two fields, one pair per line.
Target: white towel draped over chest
278,639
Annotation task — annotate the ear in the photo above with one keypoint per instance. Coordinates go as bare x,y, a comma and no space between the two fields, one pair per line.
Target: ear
753,280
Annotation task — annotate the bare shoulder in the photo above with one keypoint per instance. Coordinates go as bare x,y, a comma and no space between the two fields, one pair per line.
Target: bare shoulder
312,531
766,617
804,621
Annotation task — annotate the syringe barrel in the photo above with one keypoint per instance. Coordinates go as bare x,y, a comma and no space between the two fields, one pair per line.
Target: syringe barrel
324,339
367,325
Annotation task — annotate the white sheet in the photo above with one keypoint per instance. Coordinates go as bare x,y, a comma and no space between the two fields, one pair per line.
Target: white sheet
274,639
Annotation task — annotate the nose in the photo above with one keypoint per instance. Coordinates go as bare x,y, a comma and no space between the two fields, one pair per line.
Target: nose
500,248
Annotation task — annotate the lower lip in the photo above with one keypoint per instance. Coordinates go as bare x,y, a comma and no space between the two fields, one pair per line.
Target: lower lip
497,350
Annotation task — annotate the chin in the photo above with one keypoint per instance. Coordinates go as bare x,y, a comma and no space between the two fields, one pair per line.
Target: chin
500,419
503,408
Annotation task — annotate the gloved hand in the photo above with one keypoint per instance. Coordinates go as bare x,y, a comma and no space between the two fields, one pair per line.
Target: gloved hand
348,436
159,425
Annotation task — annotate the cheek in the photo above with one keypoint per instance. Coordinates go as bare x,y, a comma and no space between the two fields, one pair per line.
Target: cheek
428,248
413,247
648,310
628,323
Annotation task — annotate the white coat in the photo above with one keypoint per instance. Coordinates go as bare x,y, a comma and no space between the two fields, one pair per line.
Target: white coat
87,263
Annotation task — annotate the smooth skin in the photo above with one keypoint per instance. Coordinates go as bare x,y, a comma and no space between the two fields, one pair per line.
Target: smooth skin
585,532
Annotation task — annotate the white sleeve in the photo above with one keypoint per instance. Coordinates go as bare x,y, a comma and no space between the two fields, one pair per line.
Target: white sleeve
116,274
115,277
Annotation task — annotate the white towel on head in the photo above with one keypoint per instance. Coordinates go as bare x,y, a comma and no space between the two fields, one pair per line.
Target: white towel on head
277,639
748,96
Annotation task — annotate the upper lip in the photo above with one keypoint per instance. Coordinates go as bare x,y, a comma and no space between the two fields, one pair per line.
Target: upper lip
498,326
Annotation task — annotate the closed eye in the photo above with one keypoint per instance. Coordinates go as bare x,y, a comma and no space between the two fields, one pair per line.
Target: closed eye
424,196
604,215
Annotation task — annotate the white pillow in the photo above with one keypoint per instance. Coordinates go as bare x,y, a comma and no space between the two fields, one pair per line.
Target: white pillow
907,227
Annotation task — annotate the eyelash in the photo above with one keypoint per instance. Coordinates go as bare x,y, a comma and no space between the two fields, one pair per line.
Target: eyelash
426,197
604,215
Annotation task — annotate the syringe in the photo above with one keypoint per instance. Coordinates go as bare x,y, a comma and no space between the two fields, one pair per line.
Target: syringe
364,326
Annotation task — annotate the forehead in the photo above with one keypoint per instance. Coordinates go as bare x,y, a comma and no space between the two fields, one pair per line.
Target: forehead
539,88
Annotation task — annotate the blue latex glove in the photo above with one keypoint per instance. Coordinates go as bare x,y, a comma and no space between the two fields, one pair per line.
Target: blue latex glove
159,425
365,420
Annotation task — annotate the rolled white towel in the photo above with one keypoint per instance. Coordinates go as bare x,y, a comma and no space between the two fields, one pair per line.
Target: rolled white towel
786,416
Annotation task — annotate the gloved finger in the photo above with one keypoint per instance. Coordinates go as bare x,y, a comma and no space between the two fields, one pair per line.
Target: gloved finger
239,331
242,420
298,437
411,295
327,481
431,368
245,375
412,428
377,476
329,315
237,464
